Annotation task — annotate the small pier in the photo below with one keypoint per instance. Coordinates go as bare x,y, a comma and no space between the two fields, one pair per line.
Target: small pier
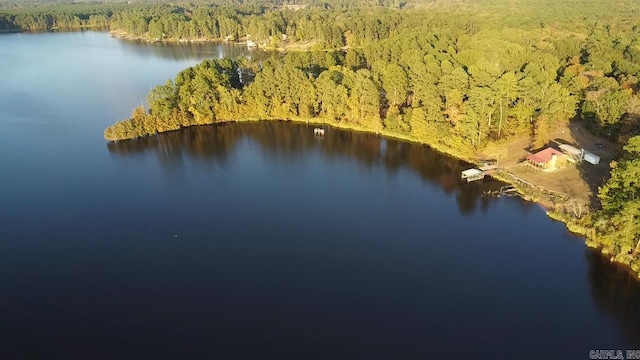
478,174
489,169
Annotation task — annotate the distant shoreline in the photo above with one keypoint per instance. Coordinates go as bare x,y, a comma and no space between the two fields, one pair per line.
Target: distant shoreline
56,30
288,46
123,35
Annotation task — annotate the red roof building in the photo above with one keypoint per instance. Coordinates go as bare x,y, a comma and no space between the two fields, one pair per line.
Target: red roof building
548,159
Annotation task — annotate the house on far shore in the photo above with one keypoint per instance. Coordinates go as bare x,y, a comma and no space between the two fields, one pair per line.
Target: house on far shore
548,159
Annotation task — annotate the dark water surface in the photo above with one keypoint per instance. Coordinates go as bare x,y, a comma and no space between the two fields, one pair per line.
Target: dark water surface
260,241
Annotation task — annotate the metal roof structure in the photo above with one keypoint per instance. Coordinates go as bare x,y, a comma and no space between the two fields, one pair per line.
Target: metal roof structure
470,173
571,150
542,157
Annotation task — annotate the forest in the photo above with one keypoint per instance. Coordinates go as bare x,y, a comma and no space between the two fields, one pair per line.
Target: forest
463,76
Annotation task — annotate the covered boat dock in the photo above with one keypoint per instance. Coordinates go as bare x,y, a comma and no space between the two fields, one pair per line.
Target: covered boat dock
472,175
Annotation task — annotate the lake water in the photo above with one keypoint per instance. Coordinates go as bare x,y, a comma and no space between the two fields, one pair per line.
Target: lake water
261,241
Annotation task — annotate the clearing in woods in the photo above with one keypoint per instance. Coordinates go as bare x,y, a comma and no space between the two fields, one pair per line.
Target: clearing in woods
579,182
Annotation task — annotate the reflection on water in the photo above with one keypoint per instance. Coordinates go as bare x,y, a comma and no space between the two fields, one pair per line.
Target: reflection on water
616,292
215,142
613,289
191,50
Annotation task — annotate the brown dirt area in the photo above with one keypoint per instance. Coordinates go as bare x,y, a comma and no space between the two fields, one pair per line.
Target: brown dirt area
578,182
297,46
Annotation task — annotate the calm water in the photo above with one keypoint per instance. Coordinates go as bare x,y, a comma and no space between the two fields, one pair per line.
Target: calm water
259,240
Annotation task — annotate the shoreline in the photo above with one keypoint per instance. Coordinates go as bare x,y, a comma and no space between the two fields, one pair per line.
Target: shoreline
550,201
123,35
547,199
242,41
56,29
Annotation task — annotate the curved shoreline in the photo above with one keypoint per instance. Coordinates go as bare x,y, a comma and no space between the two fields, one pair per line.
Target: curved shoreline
543,197
289,46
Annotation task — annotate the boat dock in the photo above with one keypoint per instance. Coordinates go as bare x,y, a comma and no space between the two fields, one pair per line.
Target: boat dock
478,174
472,175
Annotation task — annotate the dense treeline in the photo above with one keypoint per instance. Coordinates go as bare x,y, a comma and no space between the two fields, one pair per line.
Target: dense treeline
479,84
64,17
333,4
429,96
268,27
465,77
618,222
260,20
485,84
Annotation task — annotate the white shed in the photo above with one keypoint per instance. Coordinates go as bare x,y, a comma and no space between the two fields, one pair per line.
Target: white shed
591,158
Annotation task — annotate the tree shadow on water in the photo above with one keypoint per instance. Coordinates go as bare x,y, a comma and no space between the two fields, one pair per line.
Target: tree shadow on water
285,141
616,292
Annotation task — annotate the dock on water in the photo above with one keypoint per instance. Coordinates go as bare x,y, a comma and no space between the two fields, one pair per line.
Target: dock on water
472,175
478,174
